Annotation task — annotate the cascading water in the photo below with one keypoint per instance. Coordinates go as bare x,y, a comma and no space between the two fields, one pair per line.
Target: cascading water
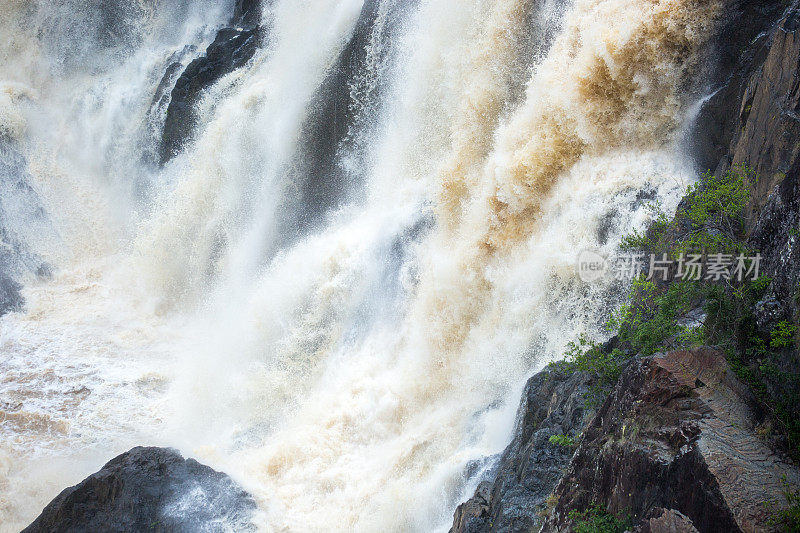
344,329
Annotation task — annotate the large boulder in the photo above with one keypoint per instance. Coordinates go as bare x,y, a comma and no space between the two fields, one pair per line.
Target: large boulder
515,493
149,489
678,442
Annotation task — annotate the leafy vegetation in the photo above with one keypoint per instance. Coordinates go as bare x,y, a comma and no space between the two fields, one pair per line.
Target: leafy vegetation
782,335
585,355
696,310
684,312
715,211
562,440
597,519
788,518
693,312
651,321
648,239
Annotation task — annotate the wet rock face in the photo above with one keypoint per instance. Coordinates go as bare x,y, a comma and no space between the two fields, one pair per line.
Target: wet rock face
343,104
247,13
149,489
776,236
331,116
737,51
676,443
529,468
232,48
769,112
10,297
767,142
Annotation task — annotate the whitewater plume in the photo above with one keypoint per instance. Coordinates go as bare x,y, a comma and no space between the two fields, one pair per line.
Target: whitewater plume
335,286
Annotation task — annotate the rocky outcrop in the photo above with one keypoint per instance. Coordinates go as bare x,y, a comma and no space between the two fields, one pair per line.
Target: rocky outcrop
529,468
776,236
769,143
678,435
232,48
149,489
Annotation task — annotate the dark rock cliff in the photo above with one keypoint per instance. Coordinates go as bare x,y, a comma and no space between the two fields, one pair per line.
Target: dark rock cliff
677,446
767,139
737,50
342,107
149,489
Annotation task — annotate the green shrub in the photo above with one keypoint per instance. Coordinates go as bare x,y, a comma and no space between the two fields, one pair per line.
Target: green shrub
648,239
715,213
711,221
597,519
585,355
562,440
652,322
781,336
758,287
588,356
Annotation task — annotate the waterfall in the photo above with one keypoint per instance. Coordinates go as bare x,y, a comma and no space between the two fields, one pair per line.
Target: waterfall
336,284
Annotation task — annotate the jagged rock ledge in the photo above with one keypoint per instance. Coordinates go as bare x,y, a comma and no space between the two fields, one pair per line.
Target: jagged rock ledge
149,489
232,48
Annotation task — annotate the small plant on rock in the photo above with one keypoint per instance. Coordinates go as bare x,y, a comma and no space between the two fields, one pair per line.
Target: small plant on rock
562,440
781,336
596,519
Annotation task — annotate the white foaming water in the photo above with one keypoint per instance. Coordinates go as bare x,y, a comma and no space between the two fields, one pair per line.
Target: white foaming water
350,377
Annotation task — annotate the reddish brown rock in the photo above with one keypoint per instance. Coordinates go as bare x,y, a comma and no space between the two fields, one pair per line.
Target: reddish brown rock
667,521
677,433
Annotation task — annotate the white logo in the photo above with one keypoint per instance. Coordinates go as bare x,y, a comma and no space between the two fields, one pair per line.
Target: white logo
591,266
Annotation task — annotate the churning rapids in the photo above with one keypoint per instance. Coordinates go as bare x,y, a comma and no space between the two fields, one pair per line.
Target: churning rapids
335,289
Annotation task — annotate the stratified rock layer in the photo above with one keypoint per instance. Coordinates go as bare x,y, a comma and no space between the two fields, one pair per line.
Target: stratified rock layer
149,489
